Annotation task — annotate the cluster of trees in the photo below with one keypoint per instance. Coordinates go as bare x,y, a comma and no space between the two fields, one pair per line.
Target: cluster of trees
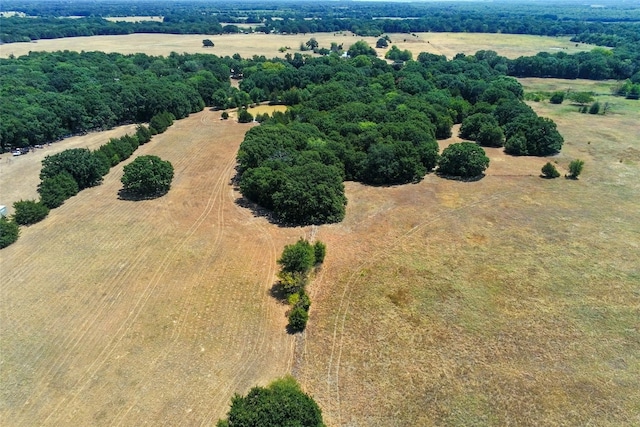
365,120
296,263
47,96
549,170
281,403
64,174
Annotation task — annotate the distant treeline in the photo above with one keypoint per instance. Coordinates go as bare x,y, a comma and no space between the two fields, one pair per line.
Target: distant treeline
614,26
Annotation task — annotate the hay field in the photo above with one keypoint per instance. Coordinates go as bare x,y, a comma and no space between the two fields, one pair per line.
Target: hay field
512,300
116,312
248,45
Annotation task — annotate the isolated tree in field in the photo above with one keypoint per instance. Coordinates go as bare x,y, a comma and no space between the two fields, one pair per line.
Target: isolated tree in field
281,403
29,212
595,108
550,171
9,232
55,190
312,44
575,168
147,176
464,159
207,43
382,43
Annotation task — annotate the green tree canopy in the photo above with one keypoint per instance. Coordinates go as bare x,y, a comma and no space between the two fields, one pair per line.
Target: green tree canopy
55,190
148,176
80,163
9,232
464,159
281,404
298,258
29,212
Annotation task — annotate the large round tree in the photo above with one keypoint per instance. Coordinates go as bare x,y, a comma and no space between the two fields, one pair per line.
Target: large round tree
464,159
147,176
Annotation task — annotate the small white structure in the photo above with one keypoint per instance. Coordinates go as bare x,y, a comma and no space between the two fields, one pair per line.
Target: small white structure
3,211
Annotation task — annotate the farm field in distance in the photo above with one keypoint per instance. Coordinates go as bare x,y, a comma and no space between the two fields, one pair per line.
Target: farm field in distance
509,300
247,45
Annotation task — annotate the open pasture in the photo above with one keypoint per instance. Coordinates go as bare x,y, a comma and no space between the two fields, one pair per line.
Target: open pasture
117,312
512,300
248,45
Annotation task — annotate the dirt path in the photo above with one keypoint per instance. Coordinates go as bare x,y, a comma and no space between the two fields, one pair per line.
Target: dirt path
118,313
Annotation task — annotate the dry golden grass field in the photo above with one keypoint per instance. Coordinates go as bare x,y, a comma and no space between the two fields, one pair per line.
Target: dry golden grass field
116,312
248,45
512,300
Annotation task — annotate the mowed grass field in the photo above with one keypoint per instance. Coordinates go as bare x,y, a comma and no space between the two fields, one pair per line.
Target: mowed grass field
510,300
116,312
247,45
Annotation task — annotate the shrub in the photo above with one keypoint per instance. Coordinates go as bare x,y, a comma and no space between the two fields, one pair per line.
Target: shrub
464,159
244,116
575,168
595,108
550,171
557,98
298,318
29,212
9,232
320,250
225,115
55,190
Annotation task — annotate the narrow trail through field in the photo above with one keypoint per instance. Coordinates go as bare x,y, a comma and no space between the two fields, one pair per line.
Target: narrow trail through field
121,313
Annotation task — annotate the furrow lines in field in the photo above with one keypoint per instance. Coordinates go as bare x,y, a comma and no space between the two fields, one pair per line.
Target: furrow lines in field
215,199
141,302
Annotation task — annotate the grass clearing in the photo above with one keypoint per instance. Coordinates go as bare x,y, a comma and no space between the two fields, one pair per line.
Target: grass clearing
248,45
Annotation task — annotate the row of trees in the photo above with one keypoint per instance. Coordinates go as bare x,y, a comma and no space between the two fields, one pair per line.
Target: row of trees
64,174
296,263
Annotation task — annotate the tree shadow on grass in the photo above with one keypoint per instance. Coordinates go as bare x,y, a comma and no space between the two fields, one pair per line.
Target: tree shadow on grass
278,292
460,178
136,197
